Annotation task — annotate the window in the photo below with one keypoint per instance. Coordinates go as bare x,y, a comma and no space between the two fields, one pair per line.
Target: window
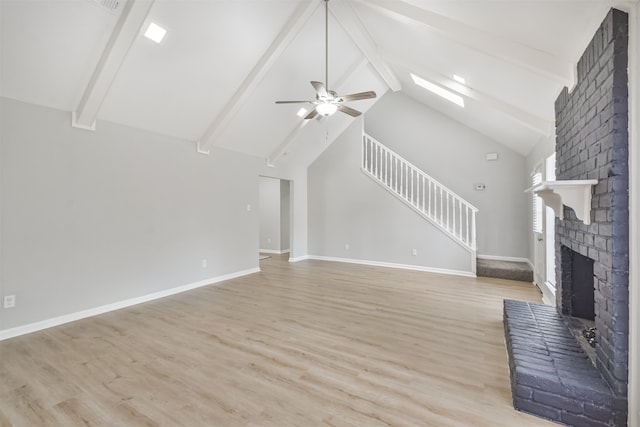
536,203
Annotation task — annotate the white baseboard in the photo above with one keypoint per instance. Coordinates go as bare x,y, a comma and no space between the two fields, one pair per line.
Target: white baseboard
275,251
66,318
394,265
531,265
300,258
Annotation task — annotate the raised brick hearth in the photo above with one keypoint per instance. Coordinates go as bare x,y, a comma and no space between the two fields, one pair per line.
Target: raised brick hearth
551,374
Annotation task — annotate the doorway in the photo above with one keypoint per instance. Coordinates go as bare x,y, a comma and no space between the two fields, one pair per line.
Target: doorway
275,215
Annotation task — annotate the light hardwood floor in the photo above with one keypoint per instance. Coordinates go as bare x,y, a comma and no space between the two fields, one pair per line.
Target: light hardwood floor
307,344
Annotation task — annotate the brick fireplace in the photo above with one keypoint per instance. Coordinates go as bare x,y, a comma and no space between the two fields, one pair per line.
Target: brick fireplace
592,143
551,375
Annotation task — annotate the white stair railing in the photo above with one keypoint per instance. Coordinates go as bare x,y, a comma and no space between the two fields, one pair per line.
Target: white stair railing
444,208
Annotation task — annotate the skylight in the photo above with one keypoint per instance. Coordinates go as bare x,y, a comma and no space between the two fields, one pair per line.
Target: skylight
459,79
155,32
449,96
301,112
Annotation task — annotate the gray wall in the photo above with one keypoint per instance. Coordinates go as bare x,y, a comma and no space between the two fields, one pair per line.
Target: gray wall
455,155
347,207
92,218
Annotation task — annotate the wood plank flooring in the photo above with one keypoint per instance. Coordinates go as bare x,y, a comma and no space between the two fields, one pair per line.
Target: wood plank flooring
311,343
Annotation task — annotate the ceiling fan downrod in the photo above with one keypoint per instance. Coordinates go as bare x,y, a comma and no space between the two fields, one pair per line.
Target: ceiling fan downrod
326,44
327,101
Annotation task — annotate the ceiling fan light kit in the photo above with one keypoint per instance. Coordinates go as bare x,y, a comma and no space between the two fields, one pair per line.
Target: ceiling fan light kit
326,109
327,102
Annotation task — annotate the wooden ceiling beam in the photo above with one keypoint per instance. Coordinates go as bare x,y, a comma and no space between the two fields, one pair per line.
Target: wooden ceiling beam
289,32
348,19
531,121
542,63
125,32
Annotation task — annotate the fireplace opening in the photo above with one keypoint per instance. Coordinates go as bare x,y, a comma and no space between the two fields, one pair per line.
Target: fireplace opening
578,305
582,291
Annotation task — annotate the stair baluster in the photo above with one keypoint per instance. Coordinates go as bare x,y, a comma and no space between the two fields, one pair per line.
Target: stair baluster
441,206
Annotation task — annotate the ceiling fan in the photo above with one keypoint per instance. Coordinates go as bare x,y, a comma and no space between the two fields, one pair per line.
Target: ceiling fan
327,101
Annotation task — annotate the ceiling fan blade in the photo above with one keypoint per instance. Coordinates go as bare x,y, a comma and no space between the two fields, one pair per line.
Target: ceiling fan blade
358,96
320,89
348,110
293,102
311,114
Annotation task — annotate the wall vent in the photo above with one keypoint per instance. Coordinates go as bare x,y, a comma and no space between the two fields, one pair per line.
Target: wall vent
111,6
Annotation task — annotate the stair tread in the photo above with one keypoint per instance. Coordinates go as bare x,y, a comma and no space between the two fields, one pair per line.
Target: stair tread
512,270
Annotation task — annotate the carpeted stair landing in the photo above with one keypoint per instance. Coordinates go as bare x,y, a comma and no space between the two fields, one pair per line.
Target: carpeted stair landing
511,270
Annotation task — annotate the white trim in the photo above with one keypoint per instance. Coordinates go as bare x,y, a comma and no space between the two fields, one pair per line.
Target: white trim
634,221
351,23
531,121
75,124
394,265
201,150
126,31
287,35
548,293
275,251
66,318
503,258
300,258
540,62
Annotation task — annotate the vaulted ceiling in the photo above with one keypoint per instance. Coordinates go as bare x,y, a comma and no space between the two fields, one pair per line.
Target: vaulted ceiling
215,76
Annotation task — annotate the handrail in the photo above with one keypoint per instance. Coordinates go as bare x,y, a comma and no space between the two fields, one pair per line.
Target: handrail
426,195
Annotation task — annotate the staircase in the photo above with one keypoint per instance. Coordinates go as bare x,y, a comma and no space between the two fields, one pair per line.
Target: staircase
449,212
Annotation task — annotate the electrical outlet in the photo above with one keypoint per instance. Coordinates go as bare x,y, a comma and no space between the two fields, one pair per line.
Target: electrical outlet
9,301
269,240
248,208
346,246
414,252
204,263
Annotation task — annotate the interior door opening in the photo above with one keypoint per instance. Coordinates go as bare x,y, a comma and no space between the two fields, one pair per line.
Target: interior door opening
275,216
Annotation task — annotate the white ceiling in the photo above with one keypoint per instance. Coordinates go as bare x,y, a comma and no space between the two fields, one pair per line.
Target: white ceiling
223,63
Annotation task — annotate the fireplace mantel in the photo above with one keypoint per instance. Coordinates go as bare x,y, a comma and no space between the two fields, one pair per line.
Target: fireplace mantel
574,193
